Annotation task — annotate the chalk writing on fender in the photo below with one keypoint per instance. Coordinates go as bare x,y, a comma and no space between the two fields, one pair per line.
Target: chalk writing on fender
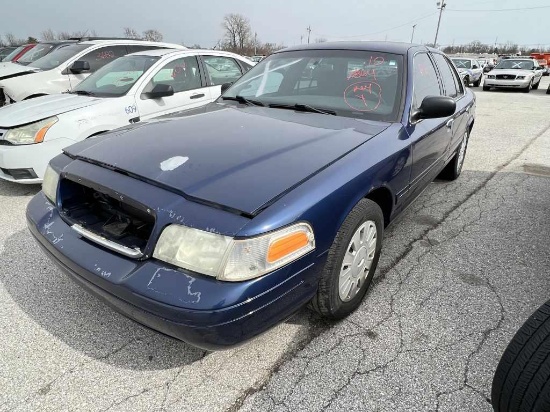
130,109
364,96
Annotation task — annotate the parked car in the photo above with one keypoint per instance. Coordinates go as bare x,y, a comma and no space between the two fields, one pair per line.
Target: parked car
214,227
469,69
524,74
136,87
67,66
17,53
4,51
522,377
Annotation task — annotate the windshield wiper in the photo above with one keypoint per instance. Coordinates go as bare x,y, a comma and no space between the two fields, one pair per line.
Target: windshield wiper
303,108
82,93
244,100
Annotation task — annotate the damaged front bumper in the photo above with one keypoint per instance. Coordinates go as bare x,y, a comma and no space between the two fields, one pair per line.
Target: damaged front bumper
196,309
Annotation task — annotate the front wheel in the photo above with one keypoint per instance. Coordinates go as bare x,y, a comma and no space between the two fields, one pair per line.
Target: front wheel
522,378
351,262
536,86
486,88
478,82
528,88
454,168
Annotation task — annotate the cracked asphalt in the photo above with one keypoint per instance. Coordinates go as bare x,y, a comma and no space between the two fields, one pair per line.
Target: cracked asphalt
460,271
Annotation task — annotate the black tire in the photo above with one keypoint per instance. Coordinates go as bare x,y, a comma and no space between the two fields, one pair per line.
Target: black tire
527,89
327,301
548,90
467,81
486,88
536,86
476,84
522,378
454,168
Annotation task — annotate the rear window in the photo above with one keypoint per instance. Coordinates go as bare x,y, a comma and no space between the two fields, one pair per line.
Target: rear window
58,56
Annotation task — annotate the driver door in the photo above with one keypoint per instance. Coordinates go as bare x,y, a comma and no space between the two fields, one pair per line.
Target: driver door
190,91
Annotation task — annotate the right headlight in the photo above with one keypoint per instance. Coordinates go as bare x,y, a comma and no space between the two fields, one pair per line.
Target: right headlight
229,259
491,76
49,184
30,133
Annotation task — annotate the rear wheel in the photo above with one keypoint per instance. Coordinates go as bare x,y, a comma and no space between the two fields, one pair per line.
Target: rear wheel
467,81
522,378
486,88
454,168
351,262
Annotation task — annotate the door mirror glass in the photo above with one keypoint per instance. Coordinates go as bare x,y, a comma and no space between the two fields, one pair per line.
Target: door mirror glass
225,87
475,66
159,91
434,107
80,66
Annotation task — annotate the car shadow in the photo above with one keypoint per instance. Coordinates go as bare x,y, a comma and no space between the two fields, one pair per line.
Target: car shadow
16,189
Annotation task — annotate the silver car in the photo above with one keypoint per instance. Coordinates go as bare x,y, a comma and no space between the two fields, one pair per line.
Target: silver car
470,70
524,74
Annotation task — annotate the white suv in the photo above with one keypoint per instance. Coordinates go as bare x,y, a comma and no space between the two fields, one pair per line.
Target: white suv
67,66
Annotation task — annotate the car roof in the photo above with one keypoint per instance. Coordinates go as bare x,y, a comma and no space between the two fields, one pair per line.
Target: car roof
130,42
164,52
381,46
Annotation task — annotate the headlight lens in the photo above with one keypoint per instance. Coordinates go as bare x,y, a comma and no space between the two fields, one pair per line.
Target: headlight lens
31,133
491,76
230,259
49,184
520,77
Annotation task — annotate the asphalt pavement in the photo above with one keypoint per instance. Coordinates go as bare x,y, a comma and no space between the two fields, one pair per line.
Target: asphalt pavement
460,272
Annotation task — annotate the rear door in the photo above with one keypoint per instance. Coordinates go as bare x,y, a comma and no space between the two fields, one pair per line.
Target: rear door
190,91
220,70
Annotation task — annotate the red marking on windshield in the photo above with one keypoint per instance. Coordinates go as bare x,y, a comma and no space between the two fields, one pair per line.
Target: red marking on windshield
376,61
106,54
364,96
356,74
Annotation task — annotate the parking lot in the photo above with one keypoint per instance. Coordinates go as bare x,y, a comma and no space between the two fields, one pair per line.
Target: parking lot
460,272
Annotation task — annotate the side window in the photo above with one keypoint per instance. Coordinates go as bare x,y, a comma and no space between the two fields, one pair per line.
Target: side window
425,79
458,82
246,66
446,75
100,57
182,74
222,70
134,48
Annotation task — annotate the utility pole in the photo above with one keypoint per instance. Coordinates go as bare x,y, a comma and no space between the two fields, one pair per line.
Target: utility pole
441,5
412,35
255,44
308,33
302,39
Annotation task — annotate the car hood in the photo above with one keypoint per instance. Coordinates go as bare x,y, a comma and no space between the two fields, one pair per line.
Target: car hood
9,70
239,159
28,111
512,72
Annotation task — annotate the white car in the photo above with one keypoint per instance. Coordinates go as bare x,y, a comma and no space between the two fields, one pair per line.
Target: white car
470,70
64,68
515,73
130,89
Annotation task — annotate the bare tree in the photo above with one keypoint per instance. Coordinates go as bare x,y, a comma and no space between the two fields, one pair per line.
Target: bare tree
238,32
131,33
48,35
152,35
11,40
63,35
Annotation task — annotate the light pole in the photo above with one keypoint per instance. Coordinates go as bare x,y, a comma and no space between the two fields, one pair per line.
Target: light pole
308,33
412,35
441,4
255,44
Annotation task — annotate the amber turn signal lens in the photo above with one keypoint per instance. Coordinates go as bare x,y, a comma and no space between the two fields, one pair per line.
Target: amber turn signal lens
39,137
286,245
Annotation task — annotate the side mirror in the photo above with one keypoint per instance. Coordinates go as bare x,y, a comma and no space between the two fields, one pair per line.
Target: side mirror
434,107
226,86
159,91
80,66
475,67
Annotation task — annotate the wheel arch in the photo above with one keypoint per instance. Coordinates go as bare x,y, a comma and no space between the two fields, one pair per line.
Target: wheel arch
32,96
383,197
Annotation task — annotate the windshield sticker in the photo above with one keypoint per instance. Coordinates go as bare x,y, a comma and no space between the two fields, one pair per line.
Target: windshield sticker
365,96
105,54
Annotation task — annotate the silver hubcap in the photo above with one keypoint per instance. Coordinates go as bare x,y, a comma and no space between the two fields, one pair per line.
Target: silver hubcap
357,261
462,153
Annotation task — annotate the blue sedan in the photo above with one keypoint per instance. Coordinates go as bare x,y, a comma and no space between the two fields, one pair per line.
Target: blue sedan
216,225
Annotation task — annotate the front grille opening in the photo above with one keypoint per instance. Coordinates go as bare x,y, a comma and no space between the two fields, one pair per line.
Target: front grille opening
104,215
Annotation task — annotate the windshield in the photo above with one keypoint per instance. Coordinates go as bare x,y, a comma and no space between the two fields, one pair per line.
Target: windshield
14,53
35,53
117,77
462,63
59,56
516,64
360,84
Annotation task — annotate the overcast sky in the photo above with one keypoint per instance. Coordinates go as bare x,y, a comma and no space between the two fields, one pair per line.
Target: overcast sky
285,21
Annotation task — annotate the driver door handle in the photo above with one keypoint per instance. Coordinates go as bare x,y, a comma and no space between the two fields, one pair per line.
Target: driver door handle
197,96
450,124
